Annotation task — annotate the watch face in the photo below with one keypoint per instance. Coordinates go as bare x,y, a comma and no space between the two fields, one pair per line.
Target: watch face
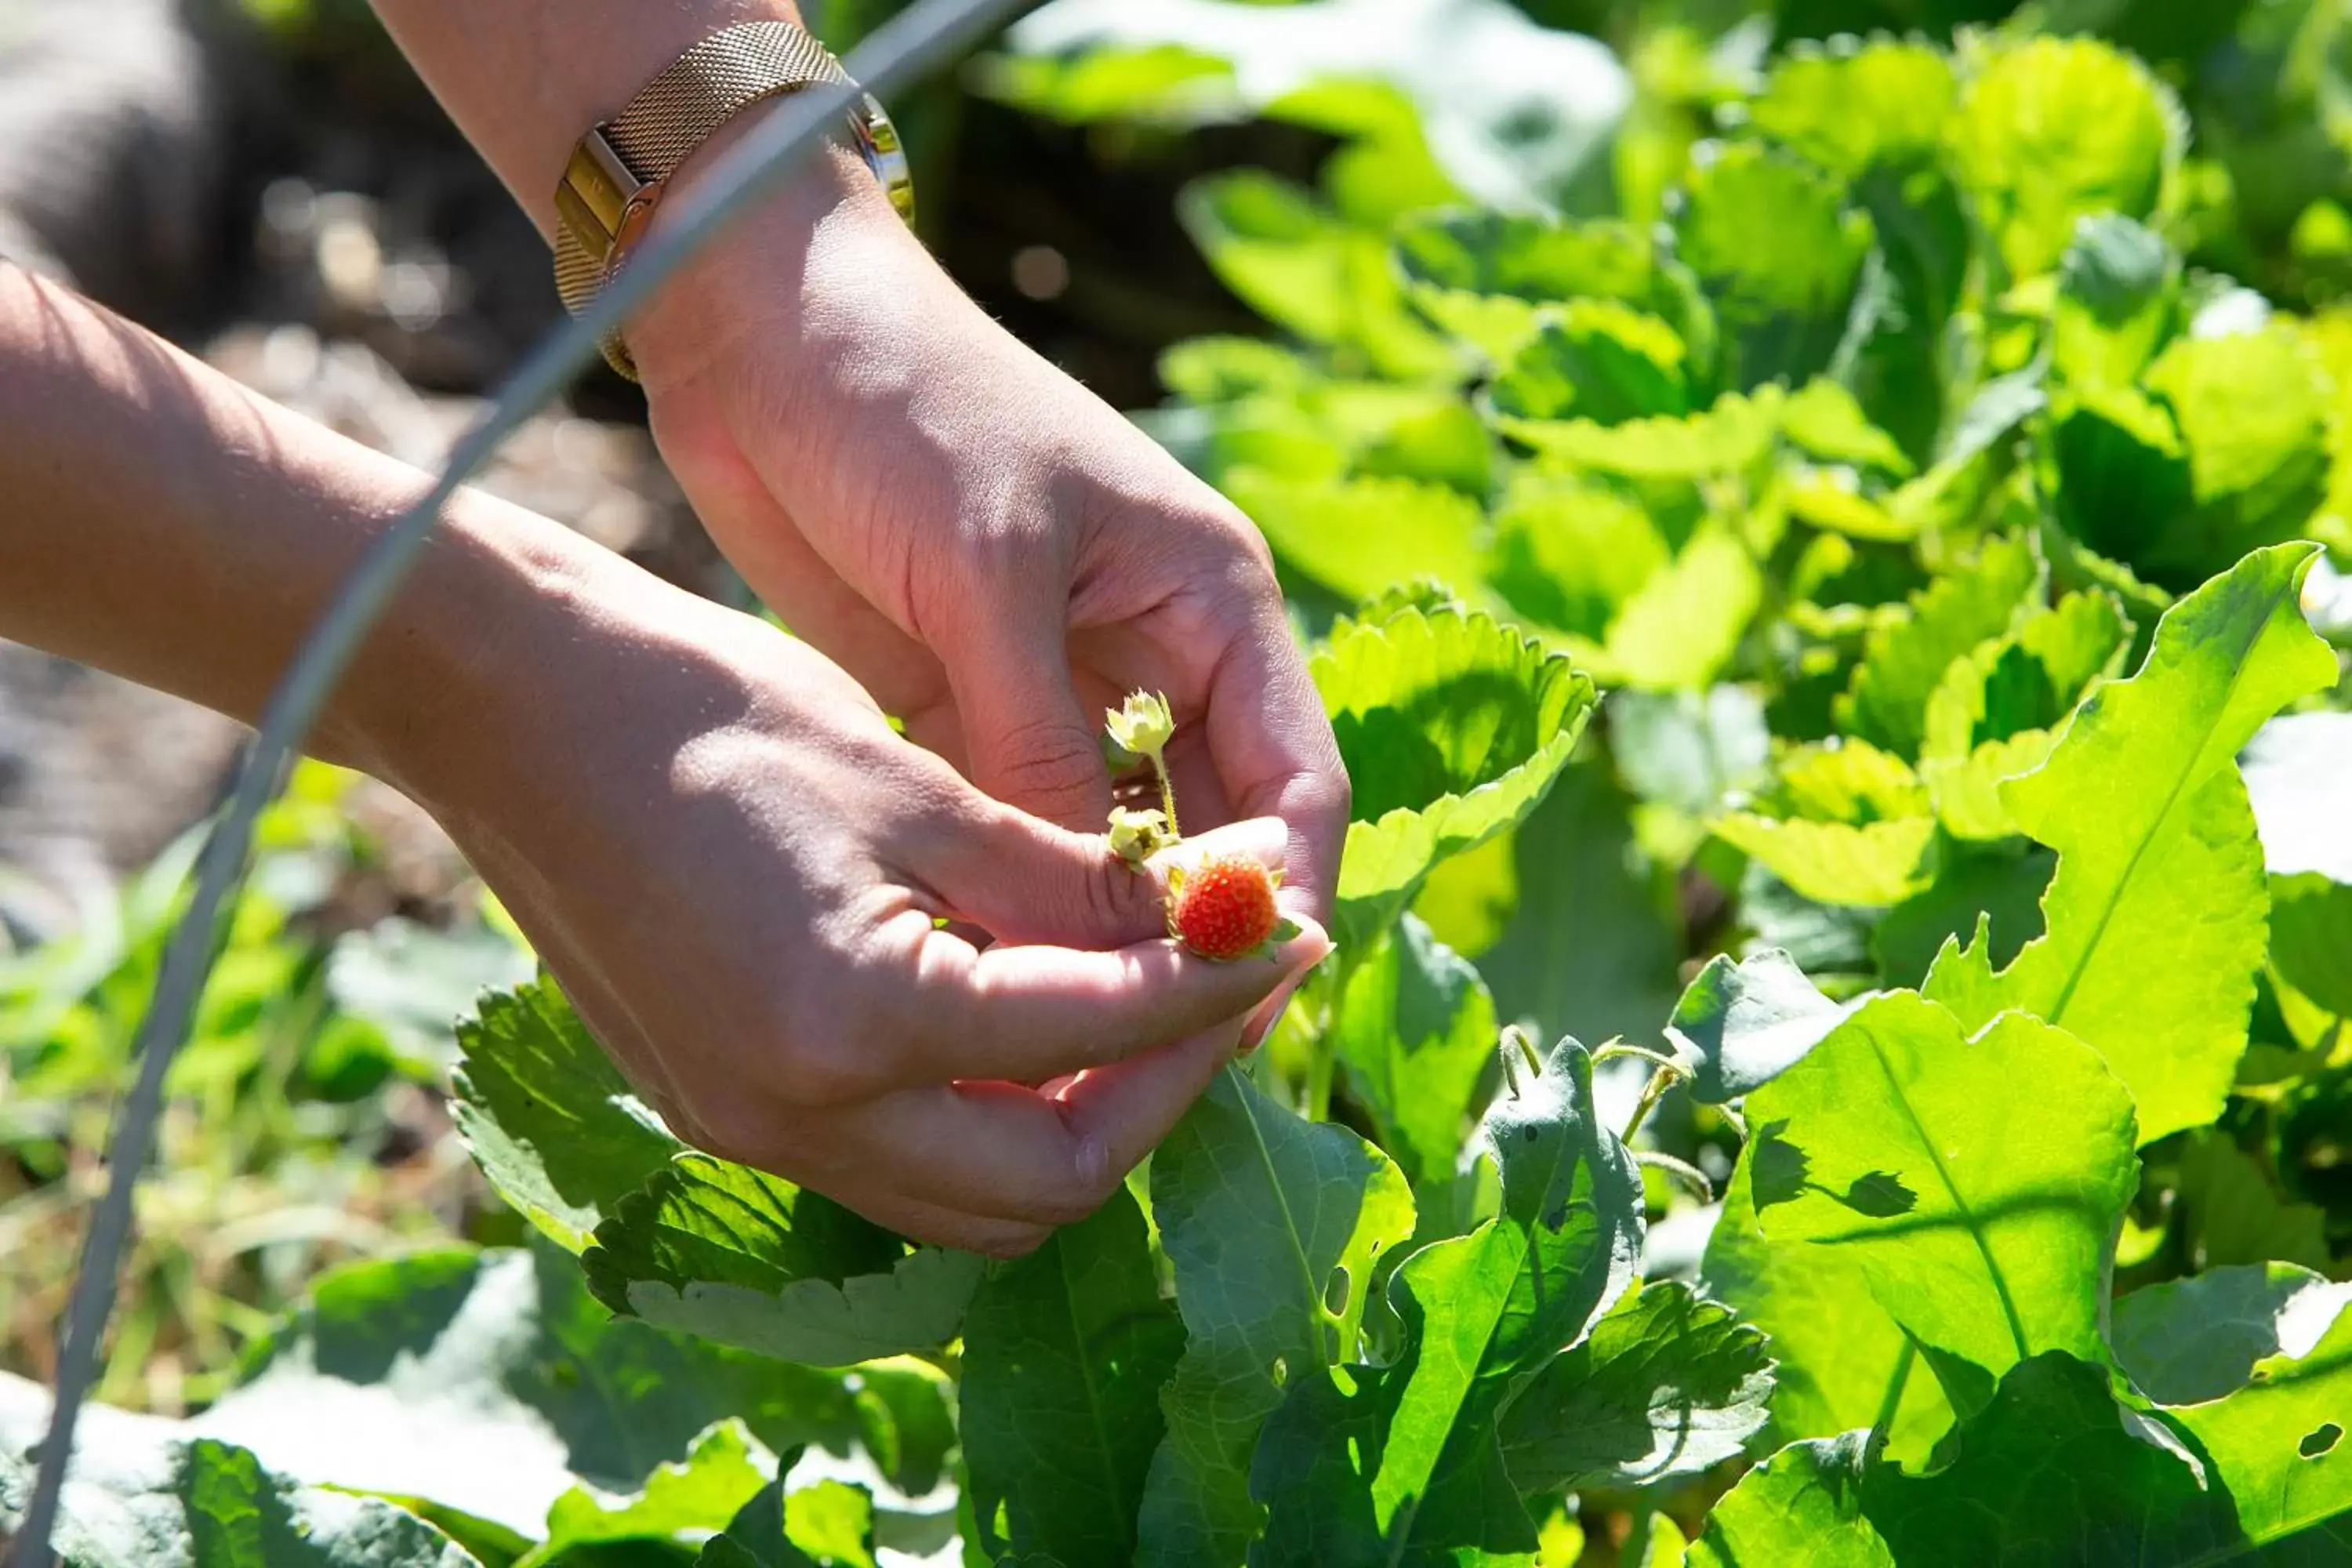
878,139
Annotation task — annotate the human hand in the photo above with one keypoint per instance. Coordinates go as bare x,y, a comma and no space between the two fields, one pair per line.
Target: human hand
735,868
990,549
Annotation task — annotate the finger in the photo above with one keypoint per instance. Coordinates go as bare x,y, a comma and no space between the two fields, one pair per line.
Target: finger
1273,747
1029,881
1028,1013
1029,742
1020,1157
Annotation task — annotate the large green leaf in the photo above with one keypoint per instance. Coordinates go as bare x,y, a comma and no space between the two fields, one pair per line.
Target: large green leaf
145,1493
1357,536
2188,1341
2229,1210
1680,630
827,1525
2257,1363
1886,702
1839,1361
1452,727
1399,1463
724,1469
1779,251
1596,359
1273,1227
1804,1504
1742,1024
1994,714
1732,436
1413,1033
1296,262
1667,1384
750,1260
2253,414
1064,1352
490,1382
2117,290
1849,824
1984,1220
2154,922
1884,105
2051,1472
1567,556
1482,276
553,1125
2050,130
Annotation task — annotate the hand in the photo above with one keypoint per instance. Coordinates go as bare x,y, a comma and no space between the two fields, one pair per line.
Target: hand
735,868
990,549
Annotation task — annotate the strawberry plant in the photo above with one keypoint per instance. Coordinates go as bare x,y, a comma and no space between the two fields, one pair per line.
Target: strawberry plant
1867,1088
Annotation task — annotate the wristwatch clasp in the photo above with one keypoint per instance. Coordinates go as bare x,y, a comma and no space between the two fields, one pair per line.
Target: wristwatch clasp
602,201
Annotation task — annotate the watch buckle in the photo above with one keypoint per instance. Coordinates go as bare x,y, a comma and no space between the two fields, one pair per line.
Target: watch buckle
601,200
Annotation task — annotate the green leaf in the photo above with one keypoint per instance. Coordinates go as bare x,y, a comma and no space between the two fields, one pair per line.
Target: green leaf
1994,714
1688,750
1741,1025
755,1537
1886,702
2118,288
1776,248
2186,1341
1823,419
1414,1032
1804,1504
2052,1471
1357,536
1883,105
1297,263
748,1259
1732,437
1400,1463
1273,1227
1667,1385
2255,417
2311,930
2001,884
552,1123
1452,727
2257,1363
1481,276
2050,130
143,1493
2154,922
1839,1362
487,1382
1596,359
1866,866
1568,555
1982,1219
1683,626
1064,1352
724,1469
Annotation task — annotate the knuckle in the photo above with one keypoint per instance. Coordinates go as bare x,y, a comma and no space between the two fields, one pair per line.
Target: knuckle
1046,759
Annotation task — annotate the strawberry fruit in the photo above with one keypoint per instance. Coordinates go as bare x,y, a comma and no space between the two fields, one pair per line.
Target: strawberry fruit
1223,909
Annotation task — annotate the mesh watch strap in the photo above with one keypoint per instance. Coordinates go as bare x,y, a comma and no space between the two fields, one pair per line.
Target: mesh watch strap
619,168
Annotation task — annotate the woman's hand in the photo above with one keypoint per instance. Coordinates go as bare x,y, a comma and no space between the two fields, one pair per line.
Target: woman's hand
990,549
737,871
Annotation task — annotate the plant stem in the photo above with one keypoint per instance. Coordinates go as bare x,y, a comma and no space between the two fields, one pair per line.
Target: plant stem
1660,1081
1885,1420
1167,794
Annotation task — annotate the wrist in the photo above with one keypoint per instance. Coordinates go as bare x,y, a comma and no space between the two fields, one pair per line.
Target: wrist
771,269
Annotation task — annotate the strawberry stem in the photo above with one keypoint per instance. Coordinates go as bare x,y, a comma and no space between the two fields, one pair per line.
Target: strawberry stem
1166,795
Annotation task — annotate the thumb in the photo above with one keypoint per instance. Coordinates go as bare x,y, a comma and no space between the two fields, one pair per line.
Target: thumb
1027,739
1027,881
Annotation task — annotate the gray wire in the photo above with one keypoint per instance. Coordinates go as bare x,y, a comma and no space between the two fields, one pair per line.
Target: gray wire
910,46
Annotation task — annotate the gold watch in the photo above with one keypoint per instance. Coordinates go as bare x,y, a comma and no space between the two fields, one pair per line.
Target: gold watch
620,168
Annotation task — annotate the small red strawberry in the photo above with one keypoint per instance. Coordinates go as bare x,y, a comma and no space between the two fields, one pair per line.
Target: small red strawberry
1223,909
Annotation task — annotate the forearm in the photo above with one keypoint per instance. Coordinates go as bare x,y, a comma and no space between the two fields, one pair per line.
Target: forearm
523,80
162,522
